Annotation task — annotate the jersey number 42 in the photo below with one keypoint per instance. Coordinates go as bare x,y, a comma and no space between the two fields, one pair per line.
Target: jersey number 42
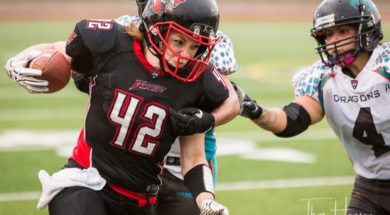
124,110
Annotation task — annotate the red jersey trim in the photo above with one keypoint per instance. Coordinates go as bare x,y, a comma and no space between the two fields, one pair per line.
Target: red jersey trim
141,57
81,155
142,199
82,151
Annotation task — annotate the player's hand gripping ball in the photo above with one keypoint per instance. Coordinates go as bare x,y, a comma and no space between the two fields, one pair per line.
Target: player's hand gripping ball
55,69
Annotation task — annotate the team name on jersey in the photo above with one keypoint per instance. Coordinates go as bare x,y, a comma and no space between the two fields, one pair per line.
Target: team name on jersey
144,85
356,98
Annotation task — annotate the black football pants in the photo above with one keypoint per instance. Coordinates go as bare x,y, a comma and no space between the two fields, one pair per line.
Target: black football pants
84,201
174,198
370,197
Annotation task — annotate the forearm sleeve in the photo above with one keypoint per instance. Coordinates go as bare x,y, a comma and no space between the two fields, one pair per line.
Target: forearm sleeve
298,120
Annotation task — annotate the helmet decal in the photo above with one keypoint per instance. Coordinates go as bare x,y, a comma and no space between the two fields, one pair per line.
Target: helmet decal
325,21
162,6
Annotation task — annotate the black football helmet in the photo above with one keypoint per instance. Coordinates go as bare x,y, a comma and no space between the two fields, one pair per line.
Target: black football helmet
362,14
196,20
141,6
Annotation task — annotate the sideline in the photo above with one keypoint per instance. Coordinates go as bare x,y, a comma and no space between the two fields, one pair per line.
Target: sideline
230,186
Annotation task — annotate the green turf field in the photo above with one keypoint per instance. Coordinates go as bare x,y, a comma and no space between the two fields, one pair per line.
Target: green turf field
268,55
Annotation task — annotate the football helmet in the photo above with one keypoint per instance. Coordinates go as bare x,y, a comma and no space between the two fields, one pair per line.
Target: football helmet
196,20
361,14
141,6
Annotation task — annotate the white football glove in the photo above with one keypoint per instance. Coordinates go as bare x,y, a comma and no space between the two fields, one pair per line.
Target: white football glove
17,70
211,207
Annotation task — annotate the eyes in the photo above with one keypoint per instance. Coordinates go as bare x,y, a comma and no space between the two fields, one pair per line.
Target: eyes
342,31
179,42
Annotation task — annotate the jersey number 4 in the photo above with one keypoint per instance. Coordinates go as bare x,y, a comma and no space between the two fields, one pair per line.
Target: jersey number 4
124,110
366,132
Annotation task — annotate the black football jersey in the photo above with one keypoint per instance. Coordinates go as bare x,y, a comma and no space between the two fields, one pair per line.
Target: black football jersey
127,124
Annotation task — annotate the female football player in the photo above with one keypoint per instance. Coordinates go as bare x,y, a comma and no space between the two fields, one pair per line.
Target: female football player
174,197
114,167
350,85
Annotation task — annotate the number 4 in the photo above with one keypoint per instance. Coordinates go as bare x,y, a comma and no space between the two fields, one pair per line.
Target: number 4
366,132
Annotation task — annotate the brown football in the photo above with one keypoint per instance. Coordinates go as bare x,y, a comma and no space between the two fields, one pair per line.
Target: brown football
55,69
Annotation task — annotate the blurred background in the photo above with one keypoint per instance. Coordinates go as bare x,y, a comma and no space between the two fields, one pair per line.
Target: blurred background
258,173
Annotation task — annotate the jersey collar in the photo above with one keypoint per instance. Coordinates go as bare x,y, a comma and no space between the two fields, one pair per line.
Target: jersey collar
141,57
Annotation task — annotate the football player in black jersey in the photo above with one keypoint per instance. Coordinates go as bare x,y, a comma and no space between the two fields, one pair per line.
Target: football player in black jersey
114,167
173,197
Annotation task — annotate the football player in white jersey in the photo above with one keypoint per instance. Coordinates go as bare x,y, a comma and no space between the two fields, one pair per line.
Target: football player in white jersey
350,85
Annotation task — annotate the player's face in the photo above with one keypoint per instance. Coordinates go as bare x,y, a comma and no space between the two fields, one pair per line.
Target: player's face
345,34
181,45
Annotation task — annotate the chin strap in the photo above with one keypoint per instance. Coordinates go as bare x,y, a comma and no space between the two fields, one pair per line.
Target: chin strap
346,59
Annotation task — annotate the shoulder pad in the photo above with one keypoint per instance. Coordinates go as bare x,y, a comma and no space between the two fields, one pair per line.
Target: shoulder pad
381,55
98,35
306,81
222,56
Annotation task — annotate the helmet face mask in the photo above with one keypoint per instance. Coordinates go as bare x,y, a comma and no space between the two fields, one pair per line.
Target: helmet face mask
361,14
195,20
341,52
195,64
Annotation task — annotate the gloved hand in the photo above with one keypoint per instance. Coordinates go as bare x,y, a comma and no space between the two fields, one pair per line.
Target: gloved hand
17,69
211,207
189,121
249,108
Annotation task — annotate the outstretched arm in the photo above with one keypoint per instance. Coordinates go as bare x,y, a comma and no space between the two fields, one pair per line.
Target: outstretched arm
293,119
275,119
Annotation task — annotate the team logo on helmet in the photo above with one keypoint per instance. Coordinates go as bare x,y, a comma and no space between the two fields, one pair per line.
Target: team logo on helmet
161,6
325,21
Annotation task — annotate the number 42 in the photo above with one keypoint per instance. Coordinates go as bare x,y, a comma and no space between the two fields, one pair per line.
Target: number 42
123,112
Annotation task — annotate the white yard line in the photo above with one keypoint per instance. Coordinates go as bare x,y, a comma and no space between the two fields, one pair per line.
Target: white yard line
286,183
41,114
22,196
229,144
231,186
14,139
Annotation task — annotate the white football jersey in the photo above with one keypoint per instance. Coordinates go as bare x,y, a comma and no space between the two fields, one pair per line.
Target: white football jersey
357,109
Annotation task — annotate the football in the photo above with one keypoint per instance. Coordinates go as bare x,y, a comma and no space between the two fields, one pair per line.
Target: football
55,69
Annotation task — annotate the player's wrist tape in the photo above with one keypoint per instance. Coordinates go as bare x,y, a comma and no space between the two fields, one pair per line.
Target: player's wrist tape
199,179
298,120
